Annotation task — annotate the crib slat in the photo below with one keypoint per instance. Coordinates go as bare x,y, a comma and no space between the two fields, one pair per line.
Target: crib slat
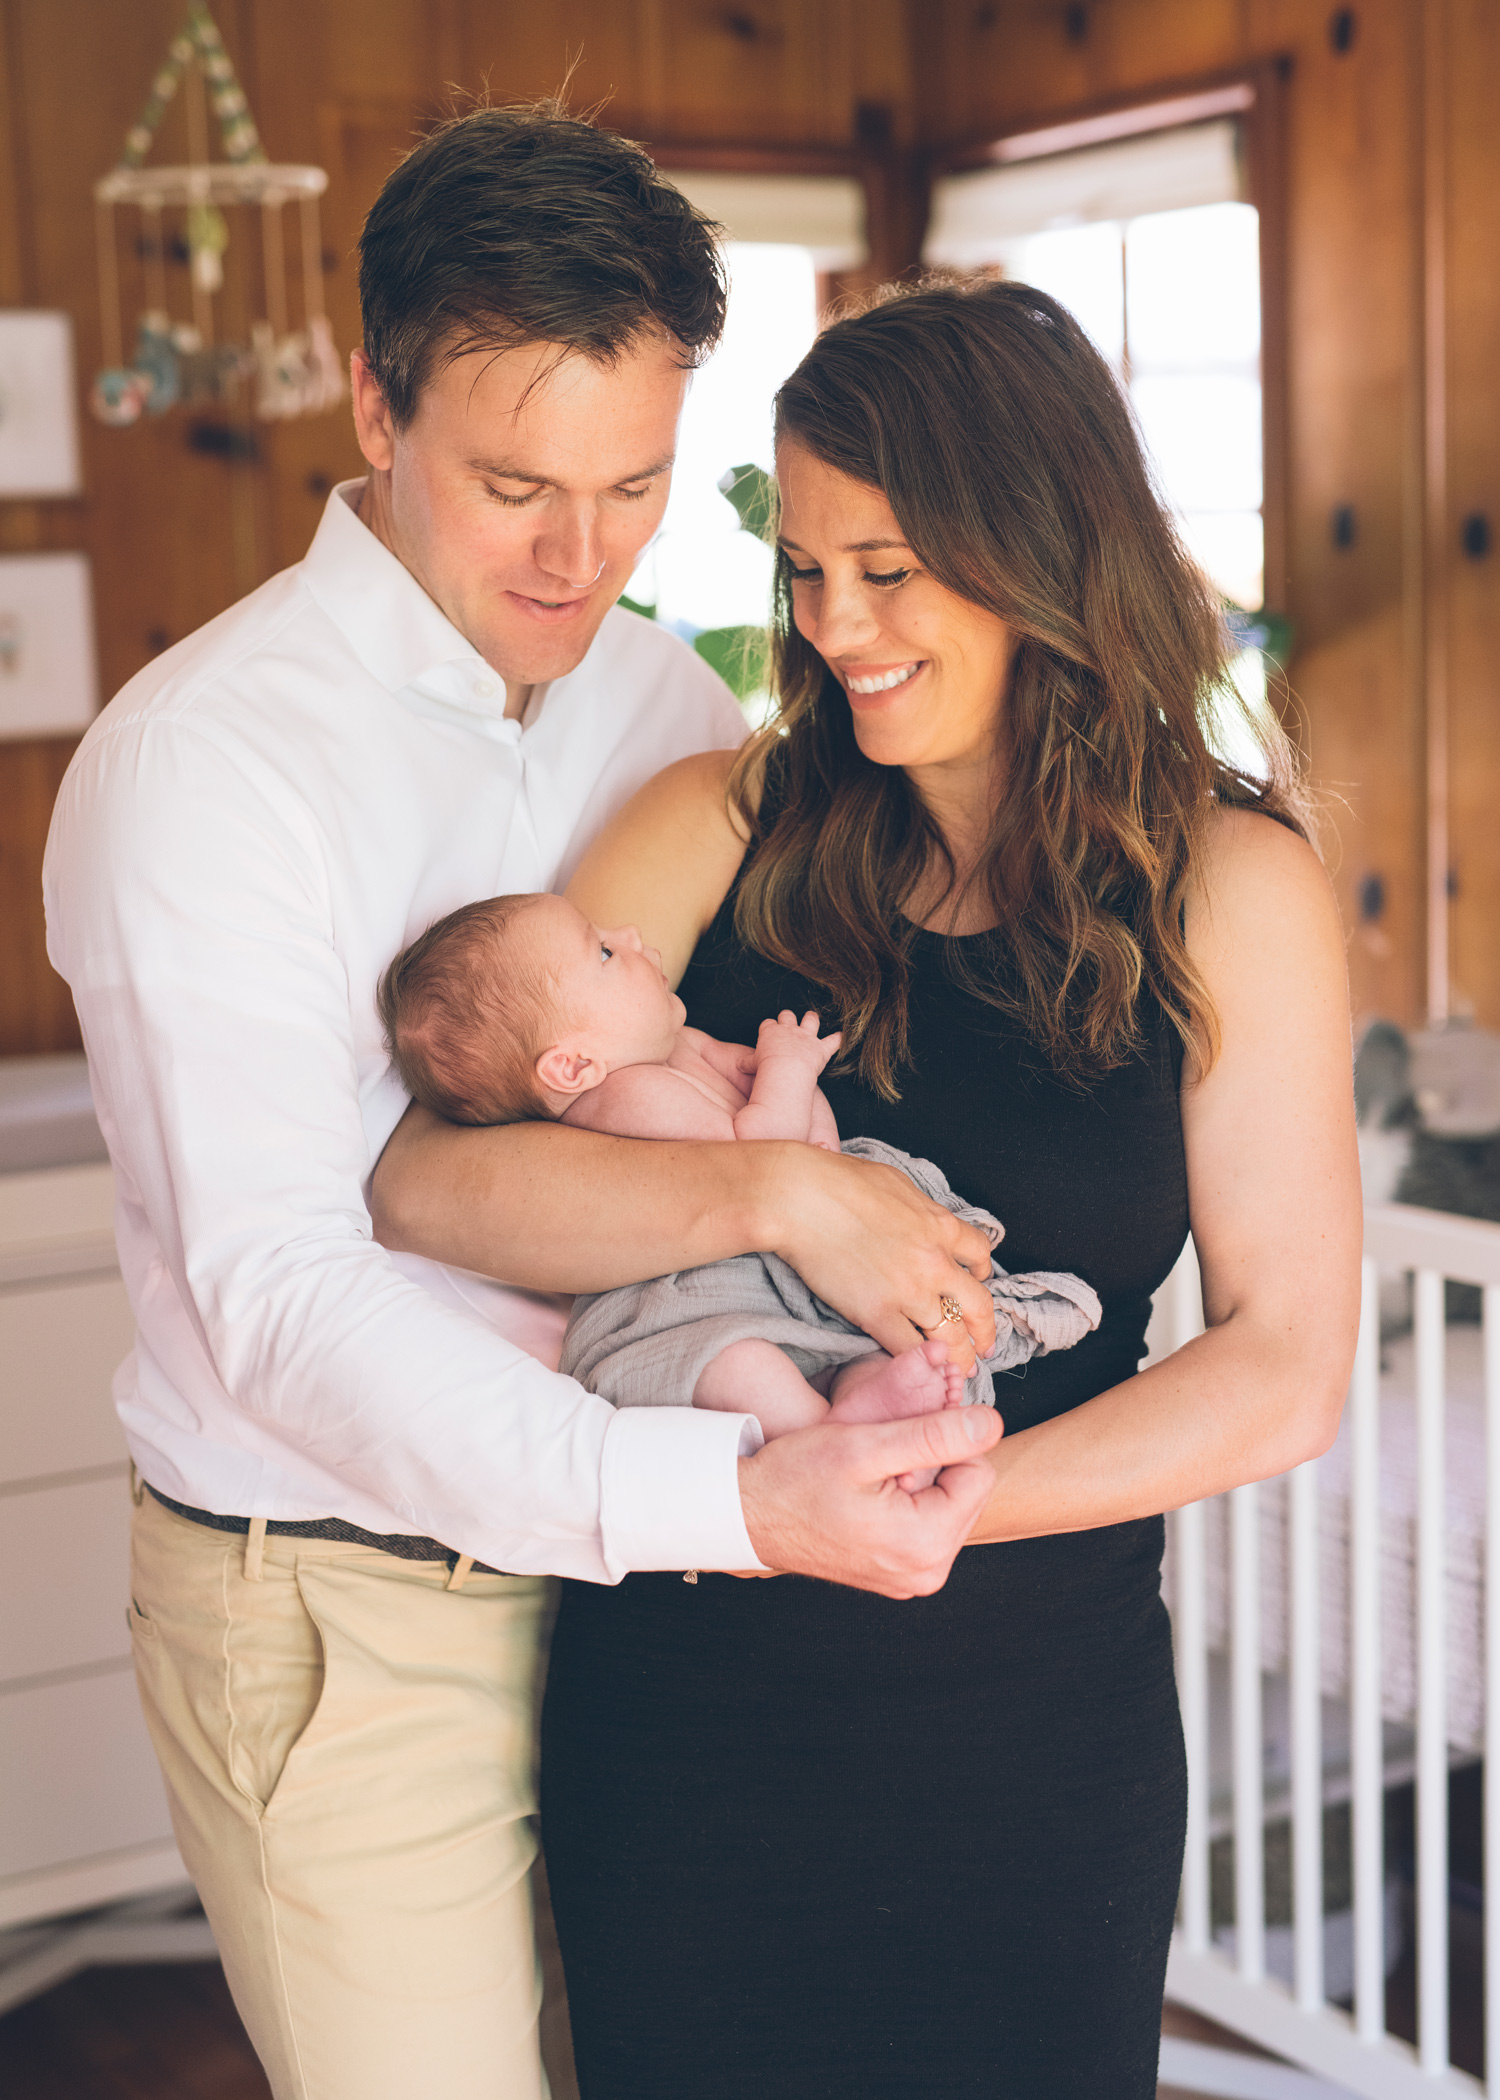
1492,1679
1367,1775
1190,1638
1307,1740
1432,1681
1245,1725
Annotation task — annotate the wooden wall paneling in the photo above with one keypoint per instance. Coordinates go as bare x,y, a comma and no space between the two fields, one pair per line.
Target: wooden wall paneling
761,71
36,1008
1355,439
1473,465
1430,358
984,64
610,56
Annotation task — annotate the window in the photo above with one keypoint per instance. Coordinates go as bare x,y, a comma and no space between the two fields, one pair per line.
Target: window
1152,245
703,574
701,571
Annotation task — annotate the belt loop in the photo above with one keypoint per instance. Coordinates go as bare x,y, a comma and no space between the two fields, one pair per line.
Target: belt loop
255,1549
463,1568
137,1486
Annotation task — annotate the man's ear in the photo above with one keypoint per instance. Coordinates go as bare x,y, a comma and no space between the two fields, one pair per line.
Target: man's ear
372,416
568,1069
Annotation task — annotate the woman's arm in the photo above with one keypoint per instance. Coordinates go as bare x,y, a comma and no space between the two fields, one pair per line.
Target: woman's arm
1274,1195
666,862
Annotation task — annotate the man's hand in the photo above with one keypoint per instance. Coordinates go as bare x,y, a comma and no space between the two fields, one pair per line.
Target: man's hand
877,1250
825,1502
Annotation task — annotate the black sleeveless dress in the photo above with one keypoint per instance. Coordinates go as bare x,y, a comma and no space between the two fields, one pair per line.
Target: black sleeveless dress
809,1844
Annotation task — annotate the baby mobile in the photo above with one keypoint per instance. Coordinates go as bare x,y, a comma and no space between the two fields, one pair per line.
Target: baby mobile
293,372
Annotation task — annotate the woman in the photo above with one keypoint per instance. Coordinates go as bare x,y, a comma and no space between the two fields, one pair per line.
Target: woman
807,1841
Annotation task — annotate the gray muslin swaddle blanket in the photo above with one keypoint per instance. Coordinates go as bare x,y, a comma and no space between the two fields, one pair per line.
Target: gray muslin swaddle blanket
646,1344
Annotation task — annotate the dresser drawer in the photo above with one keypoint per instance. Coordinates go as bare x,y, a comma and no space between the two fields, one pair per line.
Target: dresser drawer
59,1346
64,1577
80,1776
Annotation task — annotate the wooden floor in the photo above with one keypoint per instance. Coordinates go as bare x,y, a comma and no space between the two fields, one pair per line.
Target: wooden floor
167,2033
171,2033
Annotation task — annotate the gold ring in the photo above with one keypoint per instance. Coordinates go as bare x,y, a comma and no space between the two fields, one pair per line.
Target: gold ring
951,1311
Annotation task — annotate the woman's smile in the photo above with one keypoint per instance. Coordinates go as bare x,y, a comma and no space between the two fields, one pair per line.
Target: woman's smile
866,681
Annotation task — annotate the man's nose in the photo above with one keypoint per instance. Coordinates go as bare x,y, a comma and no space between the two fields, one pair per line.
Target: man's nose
569,546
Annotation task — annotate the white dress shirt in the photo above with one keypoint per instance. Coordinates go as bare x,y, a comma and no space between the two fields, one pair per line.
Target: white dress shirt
249,832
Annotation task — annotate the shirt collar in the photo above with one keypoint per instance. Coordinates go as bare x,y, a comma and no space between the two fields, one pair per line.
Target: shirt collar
397,632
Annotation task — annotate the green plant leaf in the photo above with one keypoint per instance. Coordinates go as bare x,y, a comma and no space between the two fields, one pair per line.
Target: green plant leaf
740,655
753,493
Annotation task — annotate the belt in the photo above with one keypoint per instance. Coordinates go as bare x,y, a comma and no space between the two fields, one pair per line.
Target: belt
400,1543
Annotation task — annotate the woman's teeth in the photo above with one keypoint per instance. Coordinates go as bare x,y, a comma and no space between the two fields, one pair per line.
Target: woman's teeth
884,682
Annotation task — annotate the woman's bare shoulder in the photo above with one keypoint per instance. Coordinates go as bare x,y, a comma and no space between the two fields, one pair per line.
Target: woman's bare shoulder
1264,932
696,786
1251,865
666,862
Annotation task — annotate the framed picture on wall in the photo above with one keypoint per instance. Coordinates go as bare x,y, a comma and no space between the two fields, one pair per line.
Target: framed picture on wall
49,674
38,406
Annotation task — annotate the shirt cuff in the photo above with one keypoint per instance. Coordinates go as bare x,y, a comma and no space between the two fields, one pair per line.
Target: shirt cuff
670,1489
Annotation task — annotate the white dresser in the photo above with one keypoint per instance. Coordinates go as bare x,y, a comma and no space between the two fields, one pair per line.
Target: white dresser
83,1818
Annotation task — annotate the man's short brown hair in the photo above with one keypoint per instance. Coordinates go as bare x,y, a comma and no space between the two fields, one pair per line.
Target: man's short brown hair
527,225
467,1009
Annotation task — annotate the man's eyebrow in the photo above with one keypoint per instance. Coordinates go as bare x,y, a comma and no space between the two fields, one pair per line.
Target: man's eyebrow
509,470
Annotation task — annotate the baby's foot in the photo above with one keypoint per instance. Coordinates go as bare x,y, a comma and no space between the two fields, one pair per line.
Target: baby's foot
881,1388
885,1388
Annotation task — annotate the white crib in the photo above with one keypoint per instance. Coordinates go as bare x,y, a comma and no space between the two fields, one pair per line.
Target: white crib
1354,1589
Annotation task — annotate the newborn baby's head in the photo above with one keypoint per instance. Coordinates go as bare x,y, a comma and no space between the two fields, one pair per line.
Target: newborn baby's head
507,1010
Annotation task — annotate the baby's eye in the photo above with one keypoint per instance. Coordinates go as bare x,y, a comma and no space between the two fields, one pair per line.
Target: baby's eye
605,951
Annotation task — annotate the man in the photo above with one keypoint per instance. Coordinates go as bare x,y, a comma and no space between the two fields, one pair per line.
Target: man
340,1447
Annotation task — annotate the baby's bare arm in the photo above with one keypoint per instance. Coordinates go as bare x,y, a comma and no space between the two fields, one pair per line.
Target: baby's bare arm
650,1101
824,1129
789,1058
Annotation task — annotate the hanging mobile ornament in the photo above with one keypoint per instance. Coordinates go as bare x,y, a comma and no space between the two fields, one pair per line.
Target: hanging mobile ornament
296,373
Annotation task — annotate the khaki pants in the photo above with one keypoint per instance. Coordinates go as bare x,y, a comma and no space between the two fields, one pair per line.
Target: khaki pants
349,1750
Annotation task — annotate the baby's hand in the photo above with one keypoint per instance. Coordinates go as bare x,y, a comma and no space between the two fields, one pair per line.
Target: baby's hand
787,1037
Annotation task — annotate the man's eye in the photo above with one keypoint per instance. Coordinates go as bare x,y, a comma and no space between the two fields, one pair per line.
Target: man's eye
511,502
635,495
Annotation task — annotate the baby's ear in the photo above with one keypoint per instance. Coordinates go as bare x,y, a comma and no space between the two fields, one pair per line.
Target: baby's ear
562,1070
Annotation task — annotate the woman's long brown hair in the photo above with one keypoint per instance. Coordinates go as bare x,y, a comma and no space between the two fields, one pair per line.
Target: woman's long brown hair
1001,441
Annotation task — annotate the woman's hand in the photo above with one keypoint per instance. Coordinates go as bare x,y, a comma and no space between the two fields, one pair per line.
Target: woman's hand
871,1245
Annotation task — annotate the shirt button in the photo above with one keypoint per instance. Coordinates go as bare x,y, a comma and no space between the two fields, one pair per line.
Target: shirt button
484,688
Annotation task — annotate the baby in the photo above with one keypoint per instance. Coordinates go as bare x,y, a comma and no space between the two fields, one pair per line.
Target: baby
519,1009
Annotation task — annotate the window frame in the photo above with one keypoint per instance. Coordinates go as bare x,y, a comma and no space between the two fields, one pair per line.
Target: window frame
880,166
1255,94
